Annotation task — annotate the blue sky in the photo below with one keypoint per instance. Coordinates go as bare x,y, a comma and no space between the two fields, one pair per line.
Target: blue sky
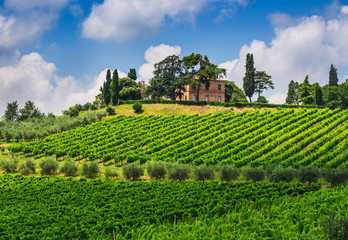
55,52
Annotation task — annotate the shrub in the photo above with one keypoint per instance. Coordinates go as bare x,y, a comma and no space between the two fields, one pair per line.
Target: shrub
69,167
308,174
281,174
110,173
30,165
90,170
179,171
254,174
132,171
336,176
202,173
335,227
9,165
2,149
23,169
48,166
156,170
73,112
27,167
110,110
138,107
227,173
269,169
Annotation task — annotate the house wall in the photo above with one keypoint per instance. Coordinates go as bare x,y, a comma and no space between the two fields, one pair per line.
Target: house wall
213,92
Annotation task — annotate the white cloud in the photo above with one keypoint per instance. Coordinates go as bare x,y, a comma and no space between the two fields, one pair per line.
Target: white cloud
308,47
26,21
154,55
32,78
120,20
344,9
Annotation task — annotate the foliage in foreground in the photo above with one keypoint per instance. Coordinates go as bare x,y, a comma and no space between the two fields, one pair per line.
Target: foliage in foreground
51,207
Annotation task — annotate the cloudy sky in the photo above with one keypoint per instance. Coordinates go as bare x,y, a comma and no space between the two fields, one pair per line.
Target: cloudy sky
56,52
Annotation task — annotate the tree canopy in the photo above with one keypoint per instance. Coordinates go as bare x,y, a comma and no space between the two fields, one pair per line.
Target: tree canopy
249,78
262,82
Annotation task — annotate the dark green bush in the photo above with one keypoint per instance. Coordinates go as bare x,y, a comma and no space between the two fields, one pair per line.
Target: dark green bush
110,110
228,173
138,107
132,171
203,173
308,174
90,169
335,227
48,166
254,174
9,165
110,173
269,169
178,171
281,174
156,170
335,177
69,167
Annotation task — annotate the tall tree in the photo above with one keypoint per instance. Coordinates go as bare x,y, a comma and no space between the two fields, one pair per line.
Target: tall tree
29,111
168,78
132,74
305,95
248,80
11,112
292,92
319,96
262,82
206,71
333,80
105,90
115,90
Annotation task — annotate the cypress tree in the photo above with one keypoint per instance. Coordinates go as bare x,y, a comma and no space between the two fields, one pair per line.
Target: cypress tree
333,80
290,98
115,89
106,88
248,80
132,74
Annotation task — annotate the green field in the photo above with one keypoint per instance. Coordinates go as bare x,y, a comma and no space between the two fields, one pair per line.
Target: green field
68,208
286,137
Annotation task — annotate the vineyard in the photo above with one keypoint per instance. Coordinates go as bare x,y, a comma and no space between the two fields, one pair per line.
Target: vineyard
67,208
286,137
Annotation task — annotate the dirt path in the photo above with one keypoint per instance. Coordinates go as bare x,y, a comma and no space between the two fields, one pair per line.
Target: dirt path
4,145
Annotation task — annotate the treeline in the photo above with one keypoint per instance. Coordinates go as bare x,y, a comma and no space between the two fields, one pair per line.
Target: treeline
40,127
331,95
158,170
223,104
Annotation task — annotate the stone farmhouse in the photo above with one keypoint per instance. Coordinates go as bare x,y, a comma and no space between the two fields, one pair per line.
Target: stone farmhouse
214,92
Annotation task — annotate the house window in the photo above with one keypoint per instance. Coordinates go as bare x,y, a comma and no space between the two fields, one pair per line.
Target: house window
194,97
219,86
206,86
206,98
185,97
219,98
